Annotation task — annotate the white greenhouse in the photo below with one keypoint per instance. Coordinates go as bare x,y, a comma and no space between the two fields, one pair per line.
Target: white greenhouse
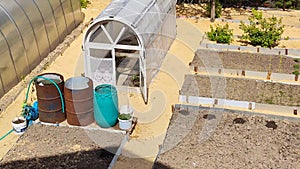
126,44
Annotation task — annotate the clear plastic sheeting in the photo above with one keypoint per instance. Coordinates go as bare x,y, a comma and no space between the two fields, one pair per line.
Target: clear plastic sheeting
143,29
29,30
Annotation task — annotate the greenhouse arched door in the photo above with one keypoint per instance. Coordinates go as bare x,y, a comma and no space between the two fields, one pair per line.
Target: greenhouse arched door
114,55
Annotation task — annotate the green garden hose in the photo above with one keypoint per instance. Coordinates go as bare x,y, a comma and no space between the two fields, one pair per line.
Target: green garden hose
60,94
27,93
8,133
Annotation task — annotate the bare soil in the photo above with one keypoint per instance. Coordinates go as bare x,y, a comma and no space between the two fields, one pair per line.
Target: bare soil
239,141
242,89
247,61
62,147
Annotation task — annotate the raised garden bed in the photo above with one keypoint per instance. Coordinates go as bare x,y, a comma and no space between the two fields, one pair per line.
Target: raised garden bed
238,141
241,89
62,147
246,61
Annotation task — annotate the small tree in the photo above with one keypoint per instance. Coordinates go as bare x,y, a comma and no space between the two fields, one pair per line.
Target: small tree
265,32
220,34
214,9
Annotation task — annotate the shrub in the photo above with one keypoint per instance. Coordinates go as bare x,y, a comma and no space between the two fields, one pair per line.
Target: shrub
84,3
289,4
265,32
218,11
220,34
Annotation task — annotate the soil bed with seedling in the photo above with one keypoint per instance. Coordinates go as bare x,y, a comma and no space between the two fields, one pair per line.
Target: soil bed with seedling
238,141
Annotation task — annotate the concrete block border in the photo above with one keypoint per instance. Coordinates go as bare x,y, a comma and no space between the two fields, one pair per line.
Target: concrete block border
216,102
294,53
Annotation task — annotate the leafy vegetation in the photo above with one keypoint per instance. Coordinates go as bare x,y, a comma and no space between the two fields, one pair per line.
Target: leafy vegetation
218,9
265,32
84,3
283,4
296,69
124,116
289,4
222,34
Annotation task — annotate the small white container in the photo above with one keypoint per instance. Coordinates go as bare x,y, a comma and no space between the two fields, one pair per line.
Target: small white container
19,124
126,124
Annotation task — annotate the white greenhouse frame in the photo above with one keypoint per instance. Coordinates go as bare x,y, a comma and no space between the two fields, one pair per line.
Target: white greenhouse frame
152,23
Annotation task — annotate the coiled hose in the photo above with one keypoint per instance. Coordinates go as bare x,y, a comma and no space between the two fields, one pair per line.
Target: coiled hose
27,94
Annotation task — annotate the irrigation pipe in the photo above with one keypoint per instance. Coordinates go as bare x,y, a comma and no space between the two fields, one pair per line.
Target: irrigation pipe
5,135
27,93
60,94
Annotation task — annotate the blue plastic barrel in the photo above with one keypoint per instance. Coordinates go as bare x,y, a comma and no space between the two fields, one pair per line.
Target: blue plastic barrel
106,105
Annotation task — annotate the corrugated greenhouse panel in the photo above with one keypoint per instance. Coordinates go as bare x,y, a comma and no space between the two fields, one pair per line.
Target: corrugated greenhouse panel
7,70
78,16
24,27
29,31
13,37
36,21
59,18
68,13
48,17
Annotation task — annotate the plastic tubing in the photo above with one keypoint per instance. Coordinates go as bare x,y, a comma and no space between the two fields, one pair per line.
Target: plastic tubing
60,94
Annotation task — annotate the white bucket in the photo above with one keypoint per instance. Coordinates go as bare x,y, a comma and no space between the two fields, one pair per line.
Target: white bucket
19,124
125,124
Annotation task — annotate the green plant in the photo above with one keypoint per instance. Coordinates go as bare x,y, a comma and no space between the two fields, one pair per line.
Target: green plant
124,116
269,100
286,38
296,72
220,34
218,8
296,60
265,32
296,69
84,3
135,80
288,4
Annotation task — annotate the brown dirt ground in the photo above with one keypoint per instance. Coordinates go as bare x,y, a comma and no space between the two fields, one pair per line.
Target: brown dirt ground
62,147
239,141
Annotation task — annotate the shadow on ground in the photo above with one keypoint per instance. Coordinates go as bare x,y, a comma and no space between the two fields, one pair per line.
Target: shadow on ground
92,159
97,158
52,147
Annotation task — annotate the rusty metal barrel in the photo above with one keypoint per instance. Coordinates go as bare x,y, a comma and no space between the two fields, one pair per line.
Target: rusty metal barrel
79,98
49,99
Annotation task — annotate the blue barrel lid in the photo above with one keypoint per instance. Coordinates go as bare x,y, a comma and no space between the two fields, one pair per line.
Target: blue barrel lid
105,90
